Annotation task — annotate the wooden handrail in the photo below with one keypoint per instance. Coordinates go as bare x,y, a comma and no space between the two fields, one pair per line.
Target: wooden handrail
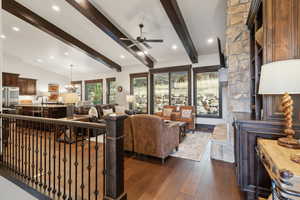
56,121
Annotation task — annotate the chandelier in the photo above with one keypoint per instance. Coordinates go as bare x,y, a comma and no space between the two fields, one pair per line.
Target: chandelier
71,88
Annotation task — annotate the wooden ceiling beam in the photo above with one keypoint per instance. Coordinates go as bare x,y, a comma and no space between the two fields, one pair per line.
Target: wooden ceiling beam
87,9
32,18
175,16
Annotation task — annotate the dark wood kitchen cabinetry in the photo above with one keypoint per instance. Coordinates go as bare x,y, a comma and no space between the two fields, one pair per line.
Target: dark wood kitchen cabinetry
10,79
27,86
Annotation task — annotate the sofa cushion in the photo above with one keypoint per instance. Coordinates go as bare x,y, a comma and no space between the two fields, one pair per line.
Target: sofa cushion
167,112
107,111
186,113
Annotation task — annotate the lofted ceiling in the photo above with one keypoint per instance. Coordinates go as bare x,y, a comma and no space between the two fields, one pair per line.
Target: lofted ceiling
204,19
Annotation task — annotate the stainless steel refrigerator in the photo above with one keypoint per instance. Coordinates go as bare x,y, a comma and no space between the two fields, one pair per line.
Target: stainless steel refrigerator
10,96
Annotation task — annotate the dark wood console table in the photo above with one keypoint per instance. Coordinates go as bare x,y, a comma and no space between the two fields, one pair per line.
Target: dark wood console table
246,134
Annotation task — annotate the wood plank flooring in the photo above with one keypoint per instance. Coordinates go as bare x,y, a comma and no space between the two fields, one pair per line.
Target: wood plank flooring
180,179
147,179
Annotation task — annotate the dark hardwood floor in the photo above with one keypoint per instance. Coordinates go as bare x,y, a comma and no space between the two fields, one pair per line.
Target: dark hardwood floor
180,179
147,179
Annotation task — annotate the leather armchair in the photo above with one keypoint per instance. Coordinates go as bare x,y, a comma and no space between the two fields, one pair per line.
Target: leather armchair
101,107
153,137
179,116
161,114
128,135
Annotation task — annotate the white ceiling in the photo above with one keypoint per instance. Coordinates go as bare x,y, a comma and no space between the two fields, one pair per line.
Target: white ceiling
205,19
31,44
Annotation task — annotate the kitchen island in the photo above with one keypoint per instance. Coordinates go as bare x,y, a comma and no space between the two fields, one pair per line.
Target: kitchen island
43,110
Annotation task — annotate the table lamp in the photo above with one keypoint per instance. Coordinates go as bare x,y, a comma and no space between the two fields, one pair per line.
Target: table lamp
283,77
130,100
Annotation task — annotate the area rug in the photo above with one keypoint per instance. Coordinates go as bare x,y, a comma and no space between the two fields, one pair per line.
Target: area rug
193,146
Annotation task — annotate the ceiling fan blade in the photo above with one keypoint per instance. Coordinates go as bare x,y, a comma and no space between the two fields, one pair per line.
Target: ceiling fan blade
125,39
147,45
134,44
154,40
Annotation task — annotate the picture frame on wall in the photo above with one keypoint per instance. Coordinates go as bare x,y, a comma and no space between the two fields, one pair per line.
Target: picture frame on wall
53,89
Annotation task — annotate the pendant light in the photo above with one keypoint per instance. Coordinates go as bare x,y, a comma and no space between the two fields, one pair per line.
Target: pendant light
71,88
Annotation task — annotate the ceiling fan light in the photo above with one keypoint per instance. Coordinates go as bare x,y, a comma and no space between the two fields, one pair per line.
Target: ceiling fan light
140,53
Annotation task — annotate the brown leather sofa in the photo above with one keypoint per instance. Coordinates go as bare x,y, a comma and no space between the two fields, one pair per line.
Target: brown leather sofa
101,107
189,119
167,117
128,135
151,136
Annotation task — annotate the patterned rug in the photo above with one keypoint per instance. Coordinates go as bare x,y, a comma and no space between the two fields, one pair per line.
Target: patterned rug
193,146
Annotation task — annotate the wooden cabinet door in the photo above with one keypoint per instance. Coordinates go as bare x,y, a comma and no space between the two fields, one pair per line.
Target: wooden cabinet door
10,80
281,42
31,87
22,86
27,86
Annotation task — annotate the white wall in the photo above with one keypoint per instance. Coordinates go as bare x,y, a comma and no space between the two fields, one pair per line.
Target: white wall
15,65
123,80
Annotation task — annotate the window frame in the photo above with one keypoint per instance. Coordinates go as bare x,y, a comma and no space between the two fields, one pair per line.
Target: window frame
197,70
169,70
93,81
140,75
108,84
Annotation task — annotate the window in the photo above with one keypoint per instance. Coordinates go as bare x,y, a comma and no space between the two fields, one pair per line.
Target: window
111,90
170,86
78,85
179,88
207,92
139,88
94,91
161,91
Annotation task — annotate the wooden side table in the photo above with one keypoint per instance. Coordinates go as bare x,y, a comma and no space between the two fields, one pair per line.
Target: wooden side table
284,173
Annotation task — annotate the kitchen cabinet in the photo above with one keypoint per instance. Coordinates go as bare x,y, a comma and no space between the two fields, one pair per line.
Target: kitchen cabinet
27,86
10,79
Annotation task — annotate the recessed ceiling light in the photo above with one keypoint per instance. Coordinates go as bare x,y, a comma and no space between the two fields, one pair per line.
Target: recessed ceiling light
56,8
146,52
174,47
51,57
39,60
140,53
122,56
2,36
15,29
66,53
210,40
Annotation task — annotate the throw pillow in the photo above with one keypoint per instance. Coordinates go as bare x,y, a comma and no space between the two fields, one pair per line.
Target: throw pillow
186,114
107,111
167,112
120,109
93,112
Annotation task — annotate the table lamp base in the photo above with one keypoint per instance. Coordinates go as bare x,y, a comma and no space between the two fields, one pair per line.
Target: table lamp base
296,158
289,142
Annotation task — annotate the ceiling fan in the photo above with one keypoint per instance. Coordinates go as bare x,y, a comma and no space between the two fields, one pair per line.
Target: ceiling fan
141,39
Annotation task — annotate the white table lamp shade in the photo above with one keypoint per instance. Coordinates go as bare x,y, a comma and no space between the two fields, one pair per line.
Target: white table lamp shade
280,77
130,98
